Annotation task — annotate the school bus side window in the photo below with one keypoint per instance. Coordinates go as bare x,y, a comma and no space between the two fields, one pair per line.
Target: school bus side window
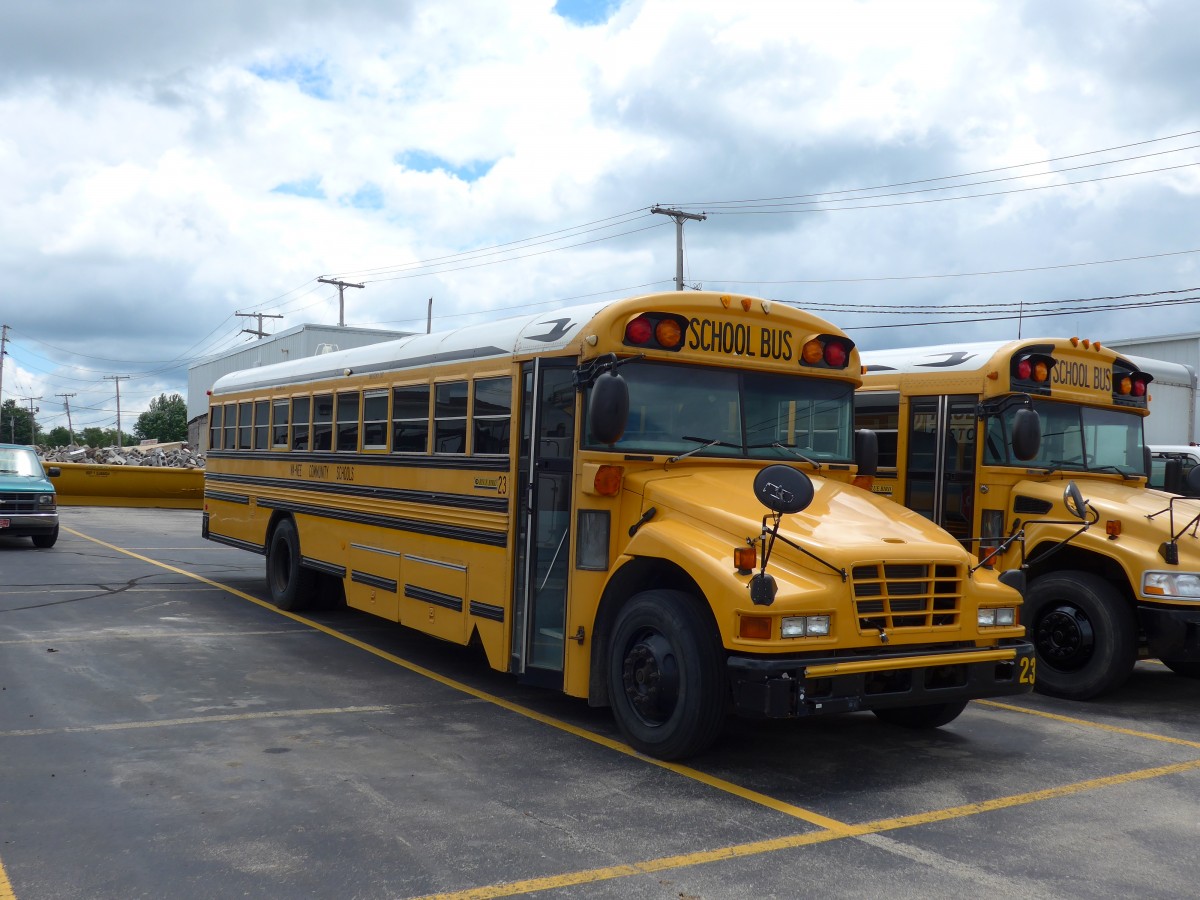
491,415
322,433
214,428
300,409
880,412
230,420
262,426
375,420
410,419
279,424
450,418
245,425
347,422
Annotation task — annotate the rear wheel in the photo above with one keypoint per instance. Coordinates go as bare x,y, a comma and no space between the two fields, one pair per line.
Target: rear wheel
665,677
933,715
1085,634
45,541
293,587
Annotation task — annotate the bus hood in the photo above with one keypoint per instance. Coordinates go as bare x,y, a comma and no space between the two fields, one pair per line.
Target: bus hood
1116,501
841,517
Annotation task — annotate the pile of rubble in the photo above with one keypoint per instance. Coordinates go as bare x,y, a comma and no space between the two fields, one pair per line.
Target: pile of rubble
177,455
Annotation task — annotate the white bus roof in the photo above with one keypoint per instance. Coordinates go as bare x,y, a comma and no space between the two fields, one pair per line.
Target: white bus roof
964,357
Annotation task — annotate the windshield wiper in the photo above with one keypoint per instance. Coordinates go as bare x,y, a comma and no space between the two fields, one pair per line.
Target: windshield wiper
792,450
1128,476
705,443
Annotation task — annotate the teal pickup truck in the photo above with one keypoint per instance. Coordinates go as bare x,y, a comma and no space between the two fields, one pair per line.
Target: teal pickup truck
28,505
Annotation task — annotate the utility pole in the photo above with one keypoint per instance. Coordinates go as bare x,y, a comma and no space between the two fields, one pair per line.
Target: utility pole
341,286
116,379
260,316
33,411
679,216
3,353
67,406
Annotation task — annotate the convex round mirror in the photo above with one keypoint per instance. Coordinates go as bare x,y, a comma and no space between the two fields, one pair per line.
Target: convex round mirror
1026,434
608,408
783,489
1073,500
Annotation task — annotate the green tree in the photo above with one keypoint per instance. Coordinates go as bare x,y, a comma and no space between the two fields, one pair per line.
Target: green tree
57,437
166,419
105,437
16,424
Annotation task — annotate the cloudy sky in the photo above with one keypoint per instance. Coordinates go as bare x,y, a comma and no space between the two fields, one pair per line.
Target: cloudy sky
917,171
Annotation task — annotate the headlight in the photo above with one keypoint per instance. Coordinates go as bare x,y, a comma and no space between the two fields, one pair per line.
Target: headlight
46,502
998,617
1176,585
804,626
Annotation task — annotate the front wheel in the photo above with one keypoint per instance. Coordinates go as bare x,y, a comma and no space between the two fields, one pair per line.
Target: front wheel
1085,634
46,541
932,715
665,677
293,587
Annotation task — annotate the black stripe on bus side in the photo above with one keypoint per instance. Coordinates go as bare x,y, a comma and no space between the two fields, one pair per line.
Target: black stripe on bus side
457,501
237,542
344,458
228,498
434,529
328,568
487,611
387,584
437,598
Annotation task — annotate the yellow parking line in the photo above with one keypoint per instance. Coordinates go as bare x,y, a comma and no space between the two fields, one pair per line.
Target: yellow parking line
737,851
6,890
1071,720
720,784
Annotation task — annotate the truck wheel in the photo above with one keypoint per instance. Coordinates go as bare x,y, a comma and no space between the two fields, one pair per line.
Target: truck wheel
46,541
1188,668
293,587
1085,635
933,715
665,677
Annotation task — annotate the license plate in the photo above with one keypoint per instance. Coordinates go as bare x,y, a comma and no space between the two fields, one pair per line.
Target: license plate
3,523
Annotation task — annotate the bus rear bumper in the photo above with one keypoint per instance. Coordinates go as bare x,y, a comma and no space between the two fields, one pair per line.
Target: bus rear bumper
792,688
1171,632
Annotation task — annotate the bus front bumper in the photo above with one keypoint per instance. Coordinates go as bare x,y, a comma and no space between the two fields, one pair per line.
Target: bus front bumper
791,688
1172,632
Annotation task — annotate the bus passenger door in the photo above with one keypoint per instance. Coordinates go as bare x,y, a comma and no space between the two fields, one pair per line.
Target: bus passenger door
941,463
548,400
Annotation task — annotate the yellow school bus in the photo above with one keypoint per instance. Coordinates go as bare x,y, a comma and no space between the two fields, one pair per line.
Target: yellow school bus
1097,598
647,503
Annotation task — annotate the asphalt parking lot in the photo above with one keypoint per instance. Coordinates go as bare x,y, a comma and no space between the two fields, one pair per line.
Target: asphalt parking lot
164,731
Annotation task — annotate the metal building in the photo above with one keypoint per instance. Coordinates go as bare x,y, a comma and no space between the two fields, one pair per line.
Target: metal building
293,343
1174,361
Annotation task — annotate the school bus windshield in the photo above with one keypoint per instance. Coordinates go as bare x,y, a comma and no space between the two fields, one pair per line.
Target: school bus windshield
757,415
1075,438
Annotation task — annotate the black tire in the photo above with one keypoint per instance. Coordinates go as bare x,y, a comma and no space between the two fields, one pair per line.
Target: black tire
932,715
293,587
665,675
1084,633
46,541
1188,668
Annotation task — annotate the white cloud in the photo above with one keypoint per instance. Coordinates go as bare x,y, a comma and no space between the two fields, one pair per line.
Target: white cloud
143,194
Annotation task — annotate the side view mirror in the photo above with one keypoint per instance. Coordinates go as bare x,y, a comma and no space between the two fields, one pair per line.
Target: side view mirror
1026,434
866,451
1074,502
608,408
783,490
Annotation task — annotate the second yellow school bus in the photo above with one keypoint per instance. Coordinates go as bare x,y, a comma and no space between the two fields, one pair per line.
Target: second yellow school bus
579,493
1126,587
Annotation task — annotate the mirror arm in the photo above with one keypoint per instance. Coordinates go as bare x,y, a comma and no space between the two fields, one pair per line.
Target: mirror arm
831,566
585,374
